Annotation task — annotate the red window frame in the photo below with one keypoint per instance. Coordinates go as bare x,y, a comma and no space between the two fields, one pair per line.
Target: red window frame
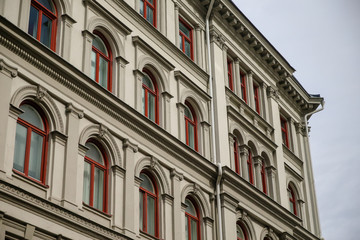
107,58
45,135
146,4
243,86
193,123
250,168
284,130
44,11
230,75
186,38
104,167
190,217
155,197
236,156
292,199
154,93
244,231
263,177
256,98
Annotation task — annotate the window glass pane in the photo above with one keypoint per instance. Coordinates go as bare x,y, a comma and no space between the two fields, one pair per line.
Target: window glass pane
186,228
48,4
31,116
190,209
147,183
147,82
143,100
35,157
20,145
103,72
151,2
188,113
94,153
191,135
181,42
284,137
142,7
187,49
141,211
33,21
46,26
100,45
291,206
98,188
193,229
86,185
151,107
149,15
184,29
239,232
93,66
150,215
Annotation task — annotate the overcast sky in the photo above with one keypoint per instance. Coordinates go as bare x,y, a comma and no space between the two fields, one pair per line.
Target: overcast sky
321,40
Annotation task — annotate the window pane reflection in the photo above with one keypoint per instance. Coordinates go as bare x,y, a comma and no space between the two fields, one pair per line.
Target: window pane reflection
33,21
151,215
46,25
20,145
103,73
35,155
86,185
98,188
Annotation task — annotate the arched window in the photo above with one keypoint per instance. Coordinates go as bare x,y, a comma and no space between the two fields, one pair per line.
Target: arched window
150,97
95,177
263,177
42,22
190,127
31,143
250,168
148,10
101,61
149,217
192,222
236,156
292,200
241,233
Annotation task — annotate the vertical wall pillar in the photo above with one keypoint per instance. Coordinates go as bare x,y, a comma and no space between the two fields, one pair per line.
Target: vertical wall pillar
80,177
176,20
167,216
292,135
205,128
66,43
228,211
198,55
70,172
231,151
24,15
129,190
181,121
236,77
117,193
250,90
166,112
176,179
258,165
244,155
271,173
265,106
7,73
88,38
120,86
138,89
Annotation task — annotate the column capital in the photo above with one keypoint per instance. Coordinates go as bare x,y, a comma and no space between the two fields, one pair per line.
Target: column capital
7,69
118,171
67,19
273,93
167,96
88,35
123,62
176,175
71,109
244,150
167,198
258,160
130,145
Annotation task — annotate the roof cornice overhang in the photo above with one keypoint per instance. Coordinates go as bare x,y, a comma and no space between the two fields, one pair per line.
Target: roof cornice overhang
266,53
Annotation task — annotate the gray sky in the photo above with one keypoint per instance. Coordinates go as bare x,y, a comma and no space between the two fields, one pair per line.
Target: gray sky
321,40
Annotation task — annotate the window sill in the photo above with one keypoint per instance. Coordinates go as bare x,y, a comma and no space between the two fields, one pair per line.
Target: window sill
29,180
96,211
148,236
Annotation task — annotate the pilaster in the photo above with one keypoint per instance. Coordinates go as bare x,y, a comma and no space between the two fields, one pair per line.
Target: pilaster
244,155
67,23
167,111
176,179
258,162
250,90
86,64
181,121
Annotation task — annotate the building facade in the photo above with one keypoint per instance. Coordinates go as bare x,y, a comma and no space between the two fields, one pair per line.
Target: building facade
149,119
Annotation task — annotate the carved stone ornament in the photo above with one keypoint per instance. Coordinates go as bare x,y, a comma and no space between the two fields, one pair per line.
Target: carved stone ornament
41,93
102,130
196,188
274,94
153,162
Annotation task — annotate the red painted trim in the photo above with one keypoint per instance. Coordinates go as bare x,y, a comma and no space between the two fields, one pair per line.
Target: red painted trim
250,168
236,157
193,123
230,74
195,218
292,199
154,8
243,86
284,129
256,98
156,202
263,177
243,229
53,17
107,58
186,38
154,93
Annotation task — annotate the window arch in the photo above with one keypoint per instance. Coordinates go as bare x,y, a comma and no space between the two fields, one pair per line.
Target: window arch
95,186
150,97
263,177
31,143
190,126
149,216
241,233
148,10
101,61
236,156
43,21
192,220
250,167
292,200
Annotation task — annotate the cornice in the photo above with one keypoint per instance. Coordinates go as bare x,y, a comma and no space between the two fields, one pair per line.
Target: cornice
182,77
34,203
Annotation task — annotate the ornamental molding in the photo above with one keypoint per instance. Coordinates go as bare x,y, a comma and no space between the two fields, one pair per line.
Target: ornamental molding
24,198
7,69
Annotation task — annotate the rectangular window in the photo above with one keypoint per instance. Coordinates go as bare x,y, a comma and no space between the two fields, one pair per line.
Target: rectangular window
243,86
256,98
148,10
230,74
186,38
284,132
